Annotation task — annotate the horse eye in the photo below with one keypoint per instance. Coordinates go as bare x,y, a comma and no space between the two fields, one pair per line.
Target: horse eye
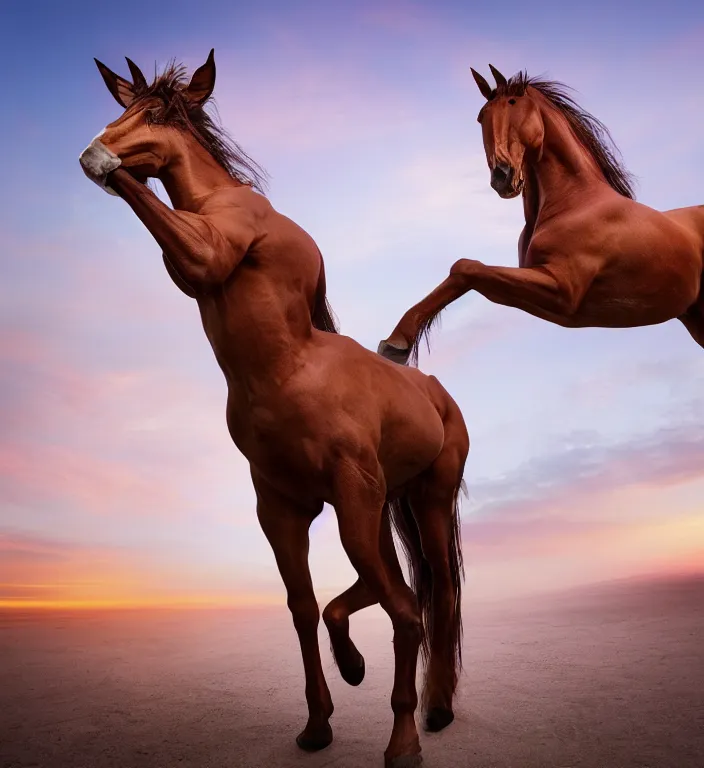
511,101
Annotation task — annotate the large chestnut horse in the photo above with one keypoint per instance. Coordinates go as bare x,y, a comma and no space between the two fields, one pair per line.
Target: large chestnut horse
589,255
319,418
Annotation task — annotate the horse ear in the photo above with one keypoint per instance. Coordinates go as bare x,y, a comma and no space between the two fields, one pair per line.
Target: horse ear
200,88
484,87
500,79
122,91
140,82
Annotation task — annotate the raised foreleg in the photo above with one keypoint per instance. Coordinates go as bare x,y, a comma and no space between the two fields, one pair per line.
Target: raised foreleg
693,319
550,292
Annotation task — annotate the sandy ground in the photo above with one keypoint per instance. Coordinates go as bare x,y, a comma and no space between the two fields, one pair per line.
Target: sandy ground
611,677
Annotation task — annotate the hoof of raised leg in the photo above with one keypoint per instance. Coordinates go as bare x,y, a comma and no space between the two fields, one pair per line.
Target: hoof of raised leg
438,718
315,740
404,761
353,674
398,355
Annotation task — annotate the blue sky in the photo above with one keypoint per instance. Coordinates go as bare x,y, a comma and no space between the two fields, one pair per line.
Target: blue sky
119,478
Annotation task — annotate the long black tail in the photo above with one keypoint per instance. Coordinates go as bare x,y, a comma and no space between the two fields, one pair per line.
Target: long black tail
405,525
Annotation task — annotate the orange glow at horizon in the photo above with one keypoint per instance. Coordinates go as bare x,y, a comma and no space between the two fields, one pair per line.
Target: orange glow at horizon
641,548
204,601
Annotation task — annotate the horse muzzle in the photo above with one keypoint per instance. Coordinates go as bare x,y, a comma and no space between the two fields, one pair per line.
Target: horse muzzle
504,181
97,162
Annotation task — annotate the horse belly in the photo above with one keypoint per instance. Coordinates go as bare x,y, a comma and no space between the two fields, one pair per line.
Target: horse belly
638,297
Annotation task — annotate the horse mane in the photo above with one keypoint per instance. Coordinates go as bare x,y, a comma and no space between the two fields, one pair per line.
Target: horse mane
592,134
175,110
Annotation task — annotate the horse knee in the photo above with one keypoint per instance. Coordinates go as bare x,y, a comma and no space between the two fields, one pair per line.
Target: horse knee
304,611
408,626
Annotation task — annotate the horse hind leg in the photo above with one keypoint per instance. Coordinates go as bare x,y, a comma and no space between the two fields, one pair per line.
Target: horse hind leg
434,503
336,615
359,504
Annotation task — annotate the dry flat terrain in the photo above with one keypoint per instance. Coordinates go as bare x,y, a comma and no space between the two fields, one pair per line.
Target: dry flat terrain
609,677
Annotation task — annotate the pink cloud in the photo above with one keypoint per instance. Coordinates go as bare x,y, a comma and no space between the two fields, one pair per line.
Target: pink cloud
49,473
599,505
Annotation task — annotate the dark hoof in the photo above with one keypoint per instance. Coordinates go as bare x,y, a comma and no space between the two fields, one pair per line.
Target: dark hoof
438,718
313,741
353,674
395,354
404,761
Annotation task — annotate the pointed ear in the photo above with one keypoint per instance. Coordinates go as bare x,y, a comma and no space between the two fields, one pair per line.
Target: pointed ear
122,91
500,79
200,88
139,80
484,87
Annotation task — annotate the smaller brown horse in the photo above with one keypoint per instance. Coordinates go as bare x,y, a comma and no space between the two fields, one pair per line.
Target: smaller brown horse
319,417
589,255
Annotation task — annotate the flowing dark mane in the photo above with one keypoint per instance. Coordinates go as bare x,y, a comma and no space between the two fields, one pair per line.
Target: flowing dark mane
176,110
592,133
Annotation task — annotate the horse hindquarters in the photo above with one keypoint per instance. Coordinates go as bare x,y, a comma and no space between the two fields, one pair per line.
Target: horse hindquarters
428,524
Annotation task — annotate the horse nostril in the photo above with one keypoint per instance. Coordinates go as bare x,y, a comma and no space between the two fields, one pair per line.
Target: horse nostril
500,175
500,172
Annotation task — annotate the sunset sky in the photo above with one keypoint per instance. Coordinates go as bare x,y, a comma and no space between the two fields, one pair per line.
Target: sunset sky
118,480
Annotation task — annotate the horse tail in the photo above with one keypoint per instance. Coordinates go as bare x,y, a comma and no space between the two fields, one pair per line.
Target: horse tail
322,317
457,573
421,575
404,524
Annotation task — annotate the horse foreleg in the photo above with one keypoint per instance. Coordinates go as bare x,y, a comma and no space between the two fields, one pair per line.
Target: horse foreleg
286,527
693,320
548,292
199,253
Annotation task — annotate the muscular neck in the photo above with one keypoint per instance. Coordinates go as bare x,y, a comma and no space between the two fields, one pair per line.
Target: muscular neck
565,169
192,175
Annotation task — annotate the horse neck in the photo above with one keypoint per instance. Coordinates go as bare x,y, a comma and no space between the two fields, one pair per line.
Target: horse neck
191,175
565,169
260,344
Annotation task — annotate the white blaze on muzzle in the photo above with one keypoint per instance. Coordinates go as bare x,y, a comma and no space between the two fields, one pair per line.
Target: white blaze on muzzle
98,161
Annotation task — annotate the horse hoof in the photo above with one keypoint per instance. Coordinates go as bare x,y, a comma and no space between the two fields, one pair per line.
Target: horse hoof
314,741
404,761
395,354
354,673
438,718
